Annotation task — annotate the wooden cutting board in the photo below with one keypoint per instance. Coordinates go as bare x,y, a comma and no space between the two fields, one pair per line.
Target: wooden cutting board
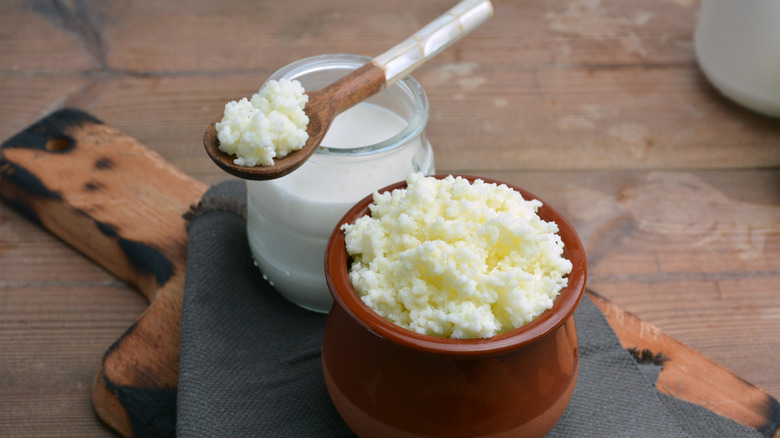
121,205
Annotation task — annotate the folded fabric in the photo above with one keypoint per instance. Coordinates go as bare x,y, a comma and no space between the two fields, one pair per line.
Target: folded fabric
250,361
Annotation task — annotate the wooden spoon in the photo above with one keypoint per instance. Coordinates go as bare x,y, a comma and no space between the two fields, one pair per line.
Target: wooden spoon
379,73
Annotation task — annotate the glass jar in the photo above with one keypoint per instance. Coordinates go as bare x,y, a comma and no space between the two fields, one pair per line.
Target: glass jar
376,143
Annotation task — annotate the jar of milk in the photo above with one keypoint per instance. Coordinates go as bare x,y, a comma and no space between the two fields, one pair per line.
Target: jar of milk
373,144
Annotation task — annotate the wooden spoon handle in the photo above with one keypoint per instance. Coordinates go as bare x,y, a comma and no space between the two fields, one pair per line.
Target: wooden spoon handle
347,91
398,62
437,35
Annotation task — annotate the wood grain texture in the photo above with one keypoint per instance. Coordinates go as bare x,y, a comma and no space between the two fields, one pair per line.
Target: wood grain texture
621,86
121,205
591,105
690,376
135,387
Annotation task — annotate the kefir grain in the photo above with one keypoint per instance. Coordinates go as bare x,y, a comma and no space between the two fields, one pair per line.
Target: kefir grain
269,125
448,258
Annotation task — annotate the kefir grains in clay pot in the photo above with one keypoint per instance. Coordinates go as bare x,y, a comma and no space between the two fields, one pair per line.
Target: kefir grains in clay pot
454,258
375,143
396,379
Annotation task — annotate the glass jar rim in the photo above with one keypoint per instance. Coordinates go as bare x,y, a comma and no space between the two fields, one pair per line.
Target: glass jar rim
413,128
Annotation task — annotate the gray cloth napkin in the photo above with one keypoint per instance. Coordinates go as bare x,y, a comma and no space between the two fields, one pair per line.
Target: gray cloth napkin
250,360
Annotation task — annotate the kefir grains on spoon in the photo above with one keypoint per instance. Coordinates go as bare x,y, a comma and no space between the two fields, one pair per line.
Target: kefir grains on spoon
454,259
269,125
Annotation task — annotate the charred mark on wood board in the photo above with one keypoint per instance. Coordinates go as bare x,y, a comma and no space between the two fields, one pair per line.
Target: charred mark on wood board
118,342
142,257
152,411
646,356
104,164
106,229
92,186
60,144
50,133
772,415
148,260
25,181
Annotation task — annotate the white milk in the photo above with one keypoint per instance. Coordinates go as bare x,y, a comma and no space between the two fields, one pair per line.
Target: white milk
361,125
738,48
368,147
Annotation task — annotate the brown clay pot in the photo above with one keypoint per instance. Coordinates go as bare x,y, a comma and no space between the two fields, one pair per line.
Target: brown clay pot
387,381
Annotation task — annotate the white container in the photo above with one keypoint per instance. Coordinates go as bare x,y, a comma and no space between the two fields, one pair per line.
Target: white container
737,45
376,143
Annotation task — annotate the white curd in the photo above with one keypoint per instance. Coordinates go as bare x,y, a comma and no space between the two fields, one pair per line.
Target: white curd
450,258
269,125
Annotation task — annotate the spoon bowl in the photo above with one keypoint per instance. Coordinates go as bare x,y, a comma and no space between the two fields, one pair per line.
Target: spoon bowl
282,166
384,70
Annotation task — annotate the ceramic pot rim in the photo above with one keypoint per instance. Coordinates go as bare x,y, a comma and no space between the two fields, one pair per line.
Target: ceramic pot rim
344,295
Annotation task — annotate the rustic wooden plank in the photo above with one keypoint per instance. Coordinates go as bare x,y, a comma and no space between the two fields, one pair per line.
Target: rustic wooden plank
541,88
528,34
581,119
46,37
27,99
32,258
52,334
589,33
268,30
121,205
700,264
622,130
690,376
737,332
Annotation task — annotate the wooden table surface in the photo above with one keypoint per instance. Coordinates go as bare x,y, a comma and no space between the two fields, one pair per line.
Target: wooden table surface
598,107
